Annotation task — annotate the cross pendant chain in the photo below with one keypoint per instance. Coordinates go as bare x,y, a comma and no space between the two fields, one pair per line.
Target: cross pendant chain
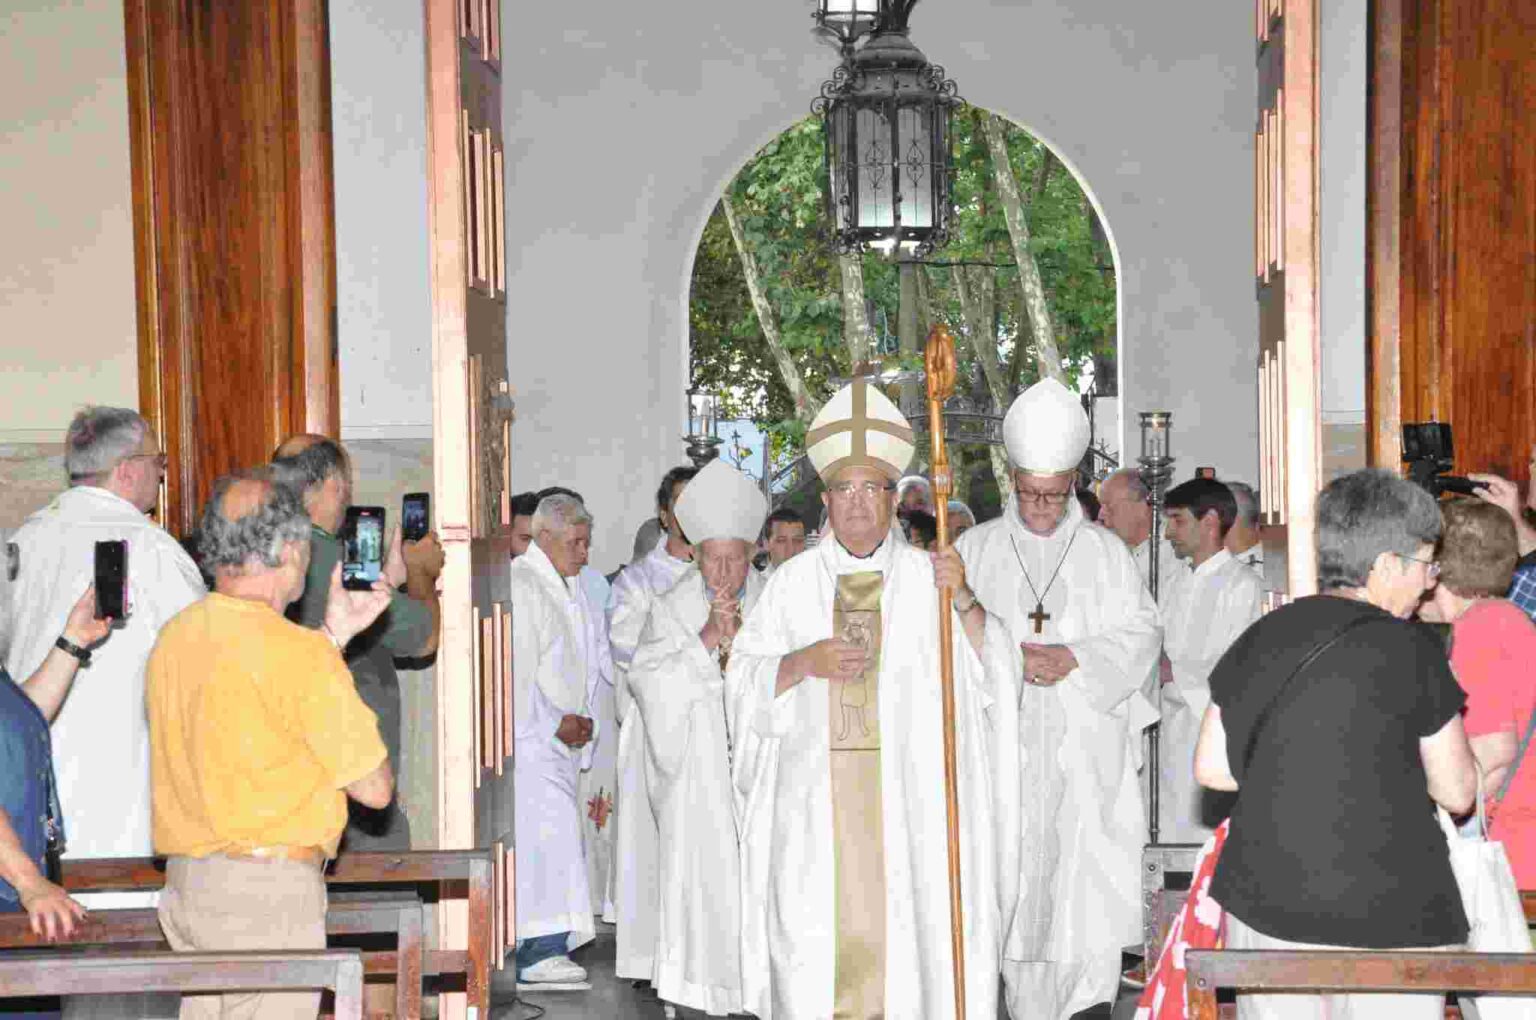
1039,616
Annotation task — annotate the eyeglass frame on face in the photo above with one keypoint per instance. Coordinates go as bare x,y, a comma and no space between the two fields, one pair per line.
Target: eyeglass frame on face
1034,497
1431,567
868,490
162,459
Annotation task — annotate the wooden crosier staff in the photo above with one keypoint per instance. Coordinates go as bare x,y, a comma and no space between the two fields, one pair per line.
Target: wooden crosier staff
939,359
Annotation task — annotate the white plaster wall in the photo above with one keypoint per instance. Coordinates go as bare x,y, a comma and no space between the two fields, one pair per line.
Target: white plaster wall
383,291
68,334
623,121
1344,42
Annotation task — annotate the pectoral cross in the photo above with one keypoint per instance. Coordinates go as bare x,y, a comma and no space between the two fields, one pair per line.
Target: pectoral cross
1039,616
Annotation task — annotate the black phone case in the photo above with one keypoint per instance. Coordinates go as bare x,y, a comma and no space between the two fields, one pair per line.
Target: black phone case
111,577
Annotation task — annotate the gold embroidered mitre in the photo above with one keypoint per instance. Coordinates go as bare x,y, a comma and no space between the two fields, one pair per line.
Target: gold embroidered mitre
859,426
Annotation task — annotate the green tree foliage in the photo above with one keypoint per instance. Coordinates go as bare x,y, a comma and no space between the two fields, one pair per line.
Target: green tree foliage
779,198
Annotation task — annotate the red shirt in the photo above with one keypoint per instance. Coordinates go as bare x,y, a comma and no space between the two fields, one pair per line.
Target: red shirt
1493,653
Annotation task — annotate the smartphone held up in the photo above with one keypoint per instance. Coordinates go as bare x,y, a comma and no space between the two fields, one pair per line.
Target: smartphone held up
111,579
362,558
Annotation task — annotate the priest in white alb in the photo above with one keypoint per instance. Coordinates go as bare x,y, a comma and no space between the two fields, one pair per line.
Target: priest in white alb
833,700
677,680
1208,600
1073,633
554,678
635,836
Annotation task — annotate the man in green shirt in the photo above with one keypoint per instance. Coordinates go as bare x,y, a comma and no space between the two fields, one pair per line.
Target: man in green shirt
319,470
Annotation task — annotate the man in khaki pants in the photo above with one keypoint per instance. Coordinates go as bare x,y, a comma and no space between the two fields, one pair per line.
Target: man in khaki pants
257,738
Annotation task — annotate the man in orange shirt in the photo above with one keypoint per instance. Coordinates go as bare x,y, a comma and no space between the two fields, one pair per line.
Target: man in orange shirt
257,739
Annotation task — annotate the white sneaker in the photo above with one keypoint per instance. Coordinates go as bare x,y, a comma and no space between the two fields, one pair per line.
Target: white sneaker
553,970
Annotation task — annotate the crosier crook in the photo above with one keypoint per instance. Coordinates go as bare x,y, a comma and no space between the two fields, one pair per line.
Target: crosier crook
939,359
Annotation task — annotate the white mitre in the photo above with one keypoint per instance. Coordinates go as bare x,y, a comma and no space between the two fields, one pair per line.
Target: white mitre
1046,430
859,427
721,502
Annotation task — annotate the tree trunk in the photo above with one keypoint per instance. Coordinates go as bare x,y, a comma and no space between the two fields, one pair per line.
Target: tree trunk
855,318
766,319
1032,289
978,296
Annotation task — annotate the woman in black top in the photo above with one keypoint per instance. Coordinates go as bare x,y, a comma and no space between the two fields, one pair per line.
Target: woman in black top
1339,763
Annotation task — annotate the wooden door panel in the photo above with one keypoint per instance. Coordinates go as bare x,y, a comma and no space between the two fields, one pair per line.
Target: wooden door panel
234,243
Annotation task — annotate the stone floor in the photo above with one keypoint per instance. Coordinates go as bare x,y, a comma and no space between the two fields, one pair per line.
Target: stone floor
613,999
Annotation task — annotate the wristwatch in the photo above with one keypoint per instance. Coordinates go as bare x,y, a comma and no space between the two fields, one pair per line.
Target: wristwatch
968,607
70,648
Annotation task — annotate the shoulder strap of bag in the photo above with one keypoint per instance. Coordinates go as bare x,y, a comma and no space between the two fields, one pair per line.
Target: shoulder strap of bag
1307,660
1514,766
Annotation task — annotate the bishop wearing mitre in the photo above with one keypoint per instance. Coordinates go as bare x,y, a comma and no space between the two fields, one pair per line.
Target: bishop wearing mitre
1073,633
677,678
833,703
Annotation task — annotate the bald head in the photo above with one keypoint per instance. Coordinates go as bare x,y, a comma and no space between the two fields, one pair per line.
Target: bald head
1124,507
318,470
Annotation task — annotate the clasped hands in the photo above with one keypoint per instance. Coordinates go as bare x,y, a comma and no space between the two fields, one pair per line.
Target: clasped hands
574,731
723,623
1045,665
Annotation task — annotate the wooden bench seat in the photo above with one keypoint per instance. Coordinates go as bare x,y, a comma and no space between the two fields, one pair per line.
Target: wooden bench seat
433,874
26,973
1330,971
348,915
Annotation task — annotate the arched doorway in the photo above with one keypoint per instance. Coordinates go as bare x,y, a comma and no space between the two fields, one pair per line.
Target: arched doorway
777,318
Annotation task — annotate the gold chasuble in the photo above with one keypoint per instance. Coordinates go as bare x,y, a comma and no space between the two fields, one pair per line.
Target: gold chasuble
857,826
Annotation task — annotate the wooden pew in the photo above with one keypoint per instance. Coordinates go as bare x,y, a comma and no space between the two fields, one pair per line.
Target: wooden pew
140,928
435,874
70,973
1329,971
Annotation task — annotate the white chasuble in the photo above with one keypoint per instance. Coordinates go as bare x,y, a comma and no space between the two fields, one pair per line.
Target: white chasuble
679,690
1204,610
552,676
811,828
101,733
635,834
1071,823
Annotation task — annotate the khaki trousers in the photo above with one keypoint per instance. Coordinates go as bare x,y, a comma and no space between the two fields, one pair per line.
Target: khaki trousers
214,904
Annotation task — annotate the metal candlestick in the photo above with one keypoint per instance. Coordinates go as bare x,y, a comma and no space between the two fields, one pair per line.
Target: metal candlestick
1156,472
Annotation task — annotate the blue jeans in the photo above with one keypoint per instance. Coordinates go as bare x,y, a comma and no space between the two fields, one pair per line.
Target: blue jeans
541,947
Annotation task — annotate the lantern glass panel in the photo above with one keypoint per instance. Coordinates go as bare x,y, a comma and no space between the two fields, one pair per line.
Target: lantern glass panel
1154,435
915,166
875,178
849,12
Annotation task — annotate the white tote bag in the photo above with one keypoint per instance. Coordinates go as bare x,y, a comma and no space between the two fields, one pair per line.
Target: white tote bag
1494,915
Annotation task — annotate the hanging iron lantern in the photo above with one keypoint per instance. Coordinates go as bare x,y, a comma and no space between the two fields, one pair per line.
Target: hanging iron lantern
885,113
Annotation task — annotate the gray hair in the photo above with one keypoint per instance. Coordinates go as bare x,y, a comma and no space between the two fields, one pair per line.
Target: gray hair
311,467
255,539
1364,514
1247,503
101,438
1135,488
913,482
559,512
957,506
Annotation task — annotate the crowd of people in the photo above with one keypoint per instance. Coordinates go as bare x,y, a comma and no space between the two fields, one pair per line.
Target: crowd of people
730,748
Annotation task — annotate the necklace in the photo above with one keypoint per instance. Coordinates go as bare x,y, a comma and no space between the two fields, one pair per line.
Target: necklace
1039,616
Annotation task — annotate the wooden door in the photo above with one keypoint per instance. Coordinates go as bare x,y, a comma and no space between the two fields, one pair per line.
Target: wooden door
234,233
471,422
1452,228
1286,279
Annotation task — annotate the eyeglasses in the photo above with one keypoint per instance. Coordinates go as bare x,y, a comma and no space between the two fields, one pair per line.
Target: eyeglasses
1049,498
159,458
1431,567
868,490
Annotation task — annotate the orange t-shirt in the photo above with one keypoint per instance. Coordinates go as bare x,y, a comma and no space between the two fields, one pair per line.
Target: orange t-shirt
255,727
1493,653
